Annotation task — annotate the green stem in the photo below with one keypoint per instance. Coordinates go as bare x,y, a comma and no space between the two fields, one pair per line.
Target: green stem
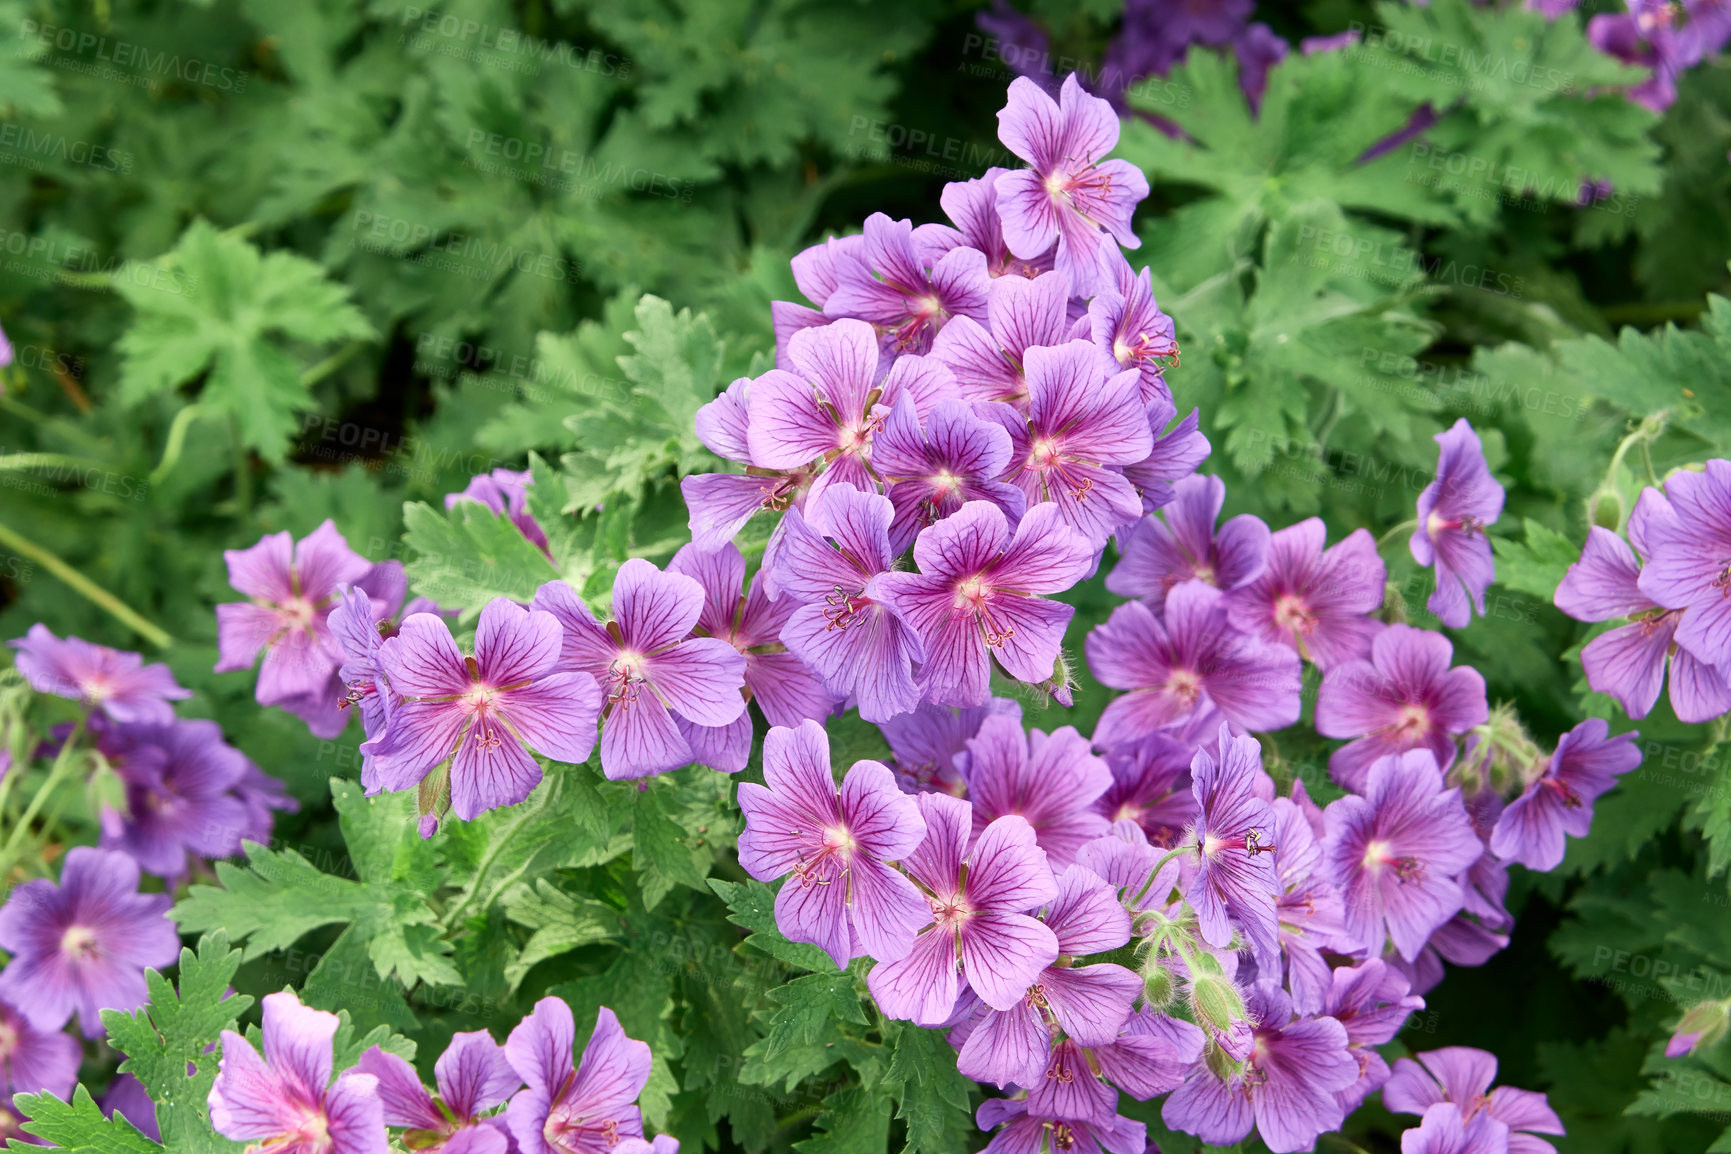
454,914
176,441
1403,527
62,766
154,634
24,462
332,363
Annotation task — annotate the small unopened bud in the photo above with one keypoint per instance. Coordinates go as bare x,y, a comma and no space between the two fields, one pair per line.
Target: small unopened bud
1217,1001
1607,510
1703,1025
1157,987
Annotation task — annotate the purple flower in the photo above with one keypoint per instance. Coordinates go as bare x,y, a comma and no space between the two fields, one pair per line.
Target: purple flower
1069,195
980,592
906,294
566,1110
1185,665
932,472
180,783
1444,1132
1176,454
1372,1001
1307,909
118,683
1050,781
285,1102
720,504
1179,545
474,1077
837,620
83,944
1150,1056
930,744
1559,801
1025,1132
34,1060
1316,600
1689,560
1628,662
1462,1077
837,844
1404,697
504,491
1287,1087
293,588
829,407
1395,854
1151,787
647,669
1130,332
1234,882
1258,50
1079,422
784,688
979,899
972,206
1087,1003
1021,314
1453,511
480,712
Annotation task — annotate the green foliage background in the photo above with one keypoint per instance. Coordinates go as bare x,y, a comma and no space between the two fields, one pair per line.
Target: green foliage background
271,261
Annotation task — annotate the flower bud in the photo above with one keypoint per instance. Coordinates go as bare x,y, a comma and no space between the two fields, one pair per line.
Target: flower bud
1703,1025
1606,509
1217,1001
1158,988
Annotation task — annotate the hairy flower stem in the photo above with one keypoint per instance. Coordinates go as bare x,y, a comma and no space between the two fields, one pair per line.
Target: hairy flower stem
154,634
57,774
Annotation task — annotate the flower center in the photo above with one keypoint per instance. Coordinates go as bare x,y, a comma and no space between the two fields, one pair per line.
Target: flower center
96,687
625,679
844,608
78,943
568,1131
1293,615
1411,724
949,912
297,613
1185,685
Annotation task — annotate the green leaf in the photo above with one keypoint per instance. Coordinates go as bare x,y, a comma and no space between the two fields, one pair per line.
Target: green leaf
752,905
1536,566
468,555
853,1121
275,899
169,1036
561,923
809,1006
933,1096
661,849
79,1127
215,304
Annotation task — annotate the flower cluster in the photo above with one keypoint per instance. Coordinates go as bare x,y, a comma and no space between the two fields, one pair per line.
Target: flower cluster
556,1100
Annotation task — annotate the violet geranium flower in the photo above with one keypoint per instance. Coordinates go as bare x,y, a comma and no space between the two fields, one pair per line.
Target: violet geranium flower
1689,561
930,473
1235,882
1372,1001
980,592
1179,544
1629,662
1025,1132
837,621
1151,787
989,360
34,1060
1462,1077
1176,454
481,712
1316,600
1453,511
179,783
980,931
1395,853
1444,1131
720,504
1286,1090
1079,422
116,682
474,1077
1404,697
1069,195
576,1106
836,843
293,587
648,666
1050,780
1087,1003
1182,666
1130,332
907,292
972,206
1587,762
1307,910
83,945
930,744
784,688
285,1101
